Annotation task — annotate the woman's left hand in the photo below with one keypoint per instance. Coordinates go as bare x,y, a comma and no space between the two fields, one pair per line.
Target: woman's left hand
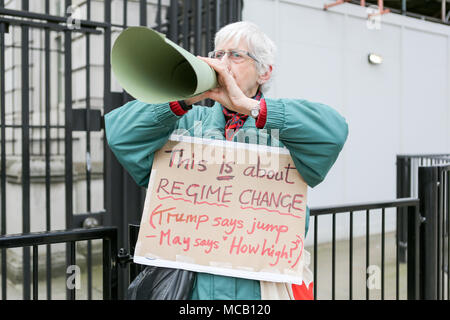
228,92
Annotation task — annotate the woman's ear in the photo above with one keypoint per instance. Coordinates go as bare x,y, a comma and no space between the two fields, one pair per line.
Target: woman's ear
265,76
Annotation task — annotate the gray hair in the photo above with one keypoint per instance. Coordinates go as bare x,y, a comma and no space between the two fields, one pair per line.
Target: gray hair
259,44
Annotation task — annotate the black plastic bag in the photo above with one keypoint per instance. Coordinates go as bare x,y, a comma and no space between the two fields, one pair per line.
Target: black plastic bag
157,283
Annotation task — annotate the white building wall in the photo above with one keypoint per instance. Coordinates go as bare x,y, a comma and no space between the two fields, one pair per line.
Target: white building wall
401,106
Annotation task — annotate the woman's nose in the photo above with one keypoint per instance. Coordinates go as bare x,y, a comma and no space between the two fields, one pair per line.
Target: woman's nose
227,61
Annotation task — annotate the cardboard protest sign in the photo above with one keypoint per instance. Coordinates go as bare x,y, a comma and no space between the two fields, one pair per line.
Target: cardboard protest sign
224,208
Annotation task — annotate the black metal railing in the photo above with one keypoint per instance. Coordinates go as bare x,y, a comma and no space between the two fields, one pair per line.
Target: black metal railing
408,184
411,204
43,138
70,237
412,277
434,193
408,171
426,176
414,172
42,117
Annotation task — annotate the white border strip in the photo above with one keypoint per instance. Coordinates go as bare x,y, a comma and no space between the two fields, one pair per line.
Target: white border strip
264,276
229,144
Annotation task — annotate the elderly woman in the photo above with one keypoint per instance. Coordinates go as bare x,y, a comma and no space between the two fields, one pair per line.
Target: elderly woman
243,59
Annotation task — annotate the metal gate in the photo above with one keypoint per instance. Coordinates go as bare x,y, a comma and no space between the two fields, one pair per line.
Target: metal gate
427,176
56,169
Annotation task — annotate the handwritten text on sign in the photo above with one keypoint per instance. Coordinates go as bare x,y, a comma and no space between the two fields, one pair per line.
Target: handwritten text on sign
227,217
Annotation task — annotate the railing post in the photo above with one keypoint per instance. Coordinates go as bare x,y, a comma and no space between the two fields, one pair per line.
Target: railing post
113,171
110,271
115,293
413,282
133,236
173,21
403,191
428,195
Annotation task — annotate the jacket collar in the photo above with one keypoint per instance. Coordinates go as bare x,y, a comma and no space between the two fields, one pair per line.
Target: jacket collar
217,121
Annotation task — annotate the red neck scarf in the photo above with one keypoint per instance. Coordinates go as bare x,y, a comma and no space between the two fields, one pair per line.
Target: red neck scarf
234,120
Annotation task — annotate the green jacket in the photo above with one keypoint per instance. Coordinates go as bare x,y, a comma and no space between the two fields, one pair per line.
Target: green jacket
313,132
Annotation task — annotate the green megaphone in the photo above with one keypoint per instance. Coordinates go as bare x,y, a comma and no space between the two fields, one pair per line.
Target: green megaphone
153,69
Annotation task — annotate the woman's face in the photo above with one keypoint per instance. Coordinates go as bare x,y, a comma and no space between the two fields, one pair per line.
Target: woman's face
243,71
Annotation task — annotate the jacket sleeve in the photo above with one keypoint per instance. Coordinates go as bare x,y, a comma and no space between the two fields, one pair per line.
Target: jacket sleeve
136,130
313,132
